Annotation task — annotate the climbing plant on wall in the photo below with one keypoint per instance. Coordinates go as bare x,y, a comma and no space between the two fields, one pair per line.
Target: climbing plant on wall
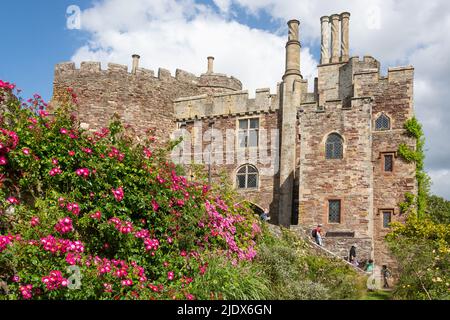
414,129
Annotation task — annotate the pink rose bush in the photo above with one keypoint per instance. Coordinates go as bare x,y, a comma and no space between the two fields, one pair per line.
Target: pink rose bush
120,213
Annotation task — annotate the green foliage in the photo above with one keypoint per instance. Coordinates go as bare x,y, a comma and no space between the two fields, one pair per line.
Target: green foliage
414,129
289,281
305,274
421,245
438,209
422,249
408,154
223,280
377,295
408,204
135,212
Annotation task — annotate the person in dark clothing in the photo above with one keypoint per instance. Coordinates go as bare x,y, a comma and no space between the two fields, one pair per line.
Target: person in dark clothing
352,254
386,273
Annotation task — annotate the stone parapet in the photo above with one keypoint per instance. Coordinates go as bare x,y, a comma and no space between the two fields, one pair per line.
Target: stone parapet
224,104
68,69
218,83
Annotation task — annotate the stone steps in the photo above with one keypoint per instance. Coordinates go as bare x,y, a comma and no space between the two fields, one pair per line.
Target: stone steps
306,236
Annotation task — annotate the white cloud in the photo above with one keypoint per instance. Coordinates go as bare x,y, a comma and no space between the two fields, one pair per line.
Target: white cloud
223,5
441,183
182,33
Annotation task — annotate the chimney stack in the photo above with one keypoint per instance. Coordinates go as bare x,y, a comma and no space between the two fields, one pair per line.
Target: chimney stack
335,38
345,49
210,65
135,66
293,49
340,49
325,42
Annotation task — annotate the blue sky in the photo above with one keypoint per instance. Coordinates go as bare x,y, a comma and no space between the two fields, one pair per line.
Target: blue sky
35,40
38,38
247,37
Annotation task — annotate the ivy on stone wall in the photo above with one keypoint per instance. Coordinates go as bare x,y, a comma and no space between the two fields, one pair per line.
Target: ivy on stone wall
414,129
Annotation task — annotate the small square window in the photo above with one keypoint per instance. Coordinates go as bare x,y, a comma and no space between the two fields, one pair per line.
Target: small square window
334,211
387,218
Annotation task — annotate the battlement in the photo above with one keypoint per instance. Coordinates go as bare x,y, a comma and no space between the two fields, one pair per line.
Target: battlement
366,79
209,82
225,104
68,69
333,105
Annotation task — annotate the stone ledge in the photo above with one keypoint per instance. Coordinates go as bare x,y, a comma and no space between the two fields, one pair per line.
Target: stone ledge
401,68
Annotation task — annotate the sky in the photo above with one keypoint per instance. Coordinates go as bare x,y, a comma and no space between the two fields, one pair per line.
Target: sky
247,38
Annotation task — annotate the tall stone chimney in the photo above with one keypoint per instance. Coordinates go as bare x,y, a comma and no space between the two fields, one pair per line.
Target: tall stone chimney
135,66
290,100
340,48
345,47
325,40
210,65
293,49
335,38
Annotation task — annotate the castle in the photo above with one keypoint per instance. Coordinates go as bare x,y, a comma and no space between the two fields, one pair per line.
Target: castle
324,157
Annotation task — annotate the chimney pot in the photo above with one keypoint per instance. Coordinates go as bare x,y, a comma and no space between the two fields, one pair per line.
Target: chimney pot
293,49
135,66
335,18
325,40
210,65
345,48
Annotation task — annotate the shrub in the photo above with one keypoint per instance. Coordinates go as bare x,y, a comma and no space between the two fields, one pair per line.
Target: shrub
422,249
98,210
223,280
298,272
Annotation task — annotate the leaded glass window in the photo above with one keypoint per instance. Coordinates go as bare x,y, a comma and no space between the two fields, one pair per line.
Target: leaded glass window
388,163
248,133
387,218
334,211
247,177
334,148
383,123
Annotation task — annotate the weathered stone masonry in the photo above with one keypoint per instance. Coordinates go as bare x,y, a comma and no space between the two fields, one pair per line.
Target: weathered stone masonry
351,100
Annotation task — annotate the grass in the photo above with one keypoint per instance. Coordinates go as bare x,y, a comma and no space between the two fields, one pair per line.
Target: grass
377,295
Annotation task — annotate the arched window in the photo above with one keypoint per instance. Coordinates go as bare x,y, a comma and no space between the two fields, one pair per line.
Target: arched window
383,123
334,148
247,177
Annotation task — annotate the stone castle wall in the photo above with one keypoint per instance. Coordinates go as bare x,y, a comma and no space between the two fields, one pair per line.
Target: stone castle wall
351,97
266,195
393,96
348,179
225,104
142,99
